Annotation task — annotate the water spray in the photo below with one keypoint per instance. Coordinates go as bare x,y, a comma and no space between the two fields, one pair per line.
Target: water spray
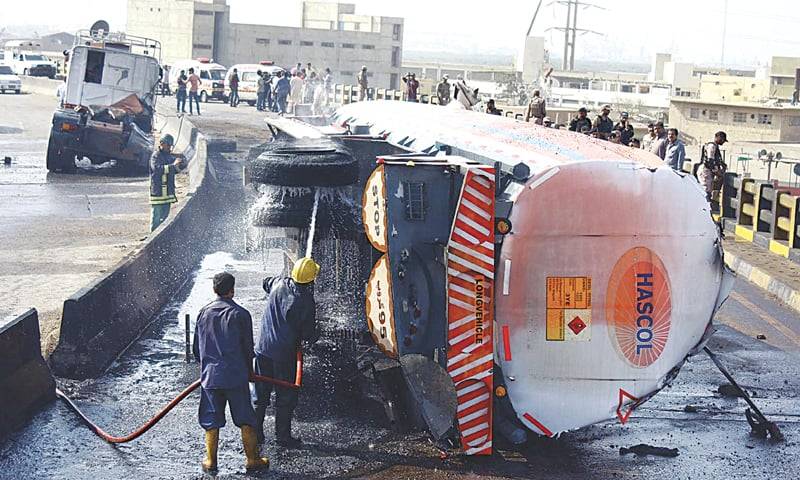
312,228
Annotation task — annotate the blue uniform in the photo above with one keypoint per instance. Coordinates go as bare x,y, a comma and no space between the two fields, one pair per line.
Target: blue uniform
289,318
223,343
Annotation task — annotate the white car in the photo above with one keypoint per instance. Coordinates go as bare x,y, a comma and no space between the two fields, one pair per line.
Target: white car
9,81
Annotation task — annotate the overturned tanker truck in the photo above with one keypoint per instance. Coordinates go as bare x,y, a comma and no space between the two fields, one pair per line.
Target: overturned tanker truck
526,279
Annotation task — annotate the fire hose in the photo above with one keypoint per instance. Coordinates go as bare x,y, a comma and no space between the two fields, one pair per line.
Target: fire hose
298,381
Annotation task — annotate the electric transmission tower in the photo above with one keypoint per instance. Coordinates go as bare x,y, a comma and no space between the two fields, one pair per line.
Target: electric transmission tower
571,29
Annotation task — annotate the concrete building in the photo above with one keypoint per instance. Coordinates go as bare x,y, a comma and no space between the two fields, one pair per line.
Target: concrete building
699,119
327,35
783,72
733,88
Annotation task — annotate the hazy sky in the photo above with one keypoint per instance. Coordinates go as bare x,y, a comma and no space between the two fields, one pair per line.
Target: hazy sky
631,29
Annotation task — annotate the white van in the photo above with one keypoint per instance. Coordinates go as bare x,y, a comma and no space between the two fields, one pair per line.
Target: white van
212,77
248,79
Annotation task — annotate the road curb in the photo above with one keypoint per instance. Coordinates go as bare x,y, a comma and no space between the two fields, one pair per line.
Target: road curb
764,280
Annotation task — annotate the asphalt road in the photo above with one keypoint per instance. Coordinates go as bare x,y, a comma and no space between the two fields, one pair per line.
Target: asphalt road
58,232
345,428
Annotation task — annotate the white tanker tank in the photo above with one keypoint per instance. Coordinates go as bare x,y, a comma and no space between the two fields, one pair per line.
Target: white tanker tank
559,280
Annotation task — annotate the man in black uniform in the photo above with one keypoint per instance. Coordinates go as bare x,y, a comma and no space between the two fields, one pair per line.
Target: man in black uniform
581,123
223,343
288,319
603,124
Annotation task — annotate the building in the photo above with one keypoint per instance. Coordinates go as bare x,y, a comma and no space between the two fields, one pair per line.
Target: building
783,76
699,119
327,35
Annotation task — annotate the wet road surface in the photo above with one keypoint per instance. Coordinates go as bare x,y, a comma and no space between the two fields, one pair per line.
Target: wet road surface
58,231
345,427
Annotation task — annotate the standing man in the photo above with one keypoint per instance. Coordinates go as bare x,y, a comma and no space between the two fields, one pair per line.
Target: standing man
163,166
223,344
537,108
180,93
624,128
581,123
261,91
363,84
290,317
649,138
296,91
412,86
659,143
327,84
676,151
234,83
281,92
194,83
712,167
443,90
603,124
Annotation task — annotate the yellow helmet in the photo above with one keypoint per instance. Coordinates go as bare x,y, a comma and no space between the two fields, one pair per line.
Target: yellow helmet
305,270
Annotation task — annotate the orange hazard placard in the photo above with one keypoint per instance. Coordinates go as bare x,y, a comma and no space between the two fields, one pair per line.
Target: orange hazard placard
569,308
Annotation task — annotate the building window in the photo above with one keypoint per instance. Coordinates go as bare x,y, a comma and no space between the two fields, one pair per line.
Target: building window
203,12
739,117
793,121
694,113
713,115
284,42
368,47
262,41
201,46
765,119
348,45
306,43
393,82
737,92
327,44
396,29
395,56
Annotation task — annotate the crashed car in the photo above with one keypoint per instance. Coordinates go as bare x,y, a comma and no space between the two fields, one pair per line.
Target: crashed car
108,106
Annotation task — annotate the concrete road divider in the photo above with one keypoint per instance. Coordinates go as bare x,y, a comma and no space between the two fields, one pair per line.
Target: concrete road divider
102,319
26,383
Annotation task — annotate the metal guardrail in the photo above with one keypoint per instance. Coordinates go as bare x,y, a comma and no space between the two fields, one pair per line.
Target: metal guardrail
763,212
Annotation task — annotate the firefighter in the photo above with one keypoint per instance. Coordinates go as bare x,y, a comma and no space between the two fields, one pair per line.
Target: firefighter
163,166
223,343
289,318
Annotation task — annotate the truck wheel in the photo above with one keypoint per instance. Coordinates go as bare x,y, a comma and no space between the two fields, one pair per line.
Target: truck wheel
305,164
282,207
59,159
204,97
15,91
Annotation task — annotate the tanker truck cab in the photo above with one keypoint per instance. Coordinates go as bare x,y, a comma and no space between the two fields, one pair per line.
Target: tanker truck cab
108,103
212,78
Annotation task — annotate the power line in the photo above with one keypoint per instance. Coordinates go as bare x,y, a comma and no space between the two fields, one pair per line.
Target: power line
571,29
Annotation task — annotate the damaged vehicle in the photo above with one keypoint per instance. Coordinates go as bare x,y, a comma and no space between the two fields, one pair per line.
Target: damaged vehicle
108,106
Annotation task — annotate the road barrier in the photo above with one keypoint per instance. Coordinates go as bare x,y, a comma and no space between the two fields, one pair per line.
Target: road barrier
763,212
102,319
26,383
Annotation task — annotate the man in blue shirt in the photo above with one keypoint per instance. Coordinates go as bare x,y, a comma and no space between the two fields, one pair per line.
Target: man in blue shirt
223,343
676,152
290,317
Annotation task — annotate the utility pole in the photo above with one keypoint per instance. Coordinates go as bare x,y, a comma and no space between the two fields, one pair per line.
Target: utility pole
724,32
574,34
571,30
567,30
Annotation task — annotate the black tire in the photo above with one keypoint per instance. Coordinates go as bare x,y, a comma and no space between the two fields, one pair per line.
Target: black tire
282,208
60,159
305,164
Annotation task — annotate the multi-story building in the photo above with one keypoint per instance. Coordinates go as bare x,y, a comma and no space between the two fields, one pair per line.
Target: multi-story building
699,119
783,75
328,35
